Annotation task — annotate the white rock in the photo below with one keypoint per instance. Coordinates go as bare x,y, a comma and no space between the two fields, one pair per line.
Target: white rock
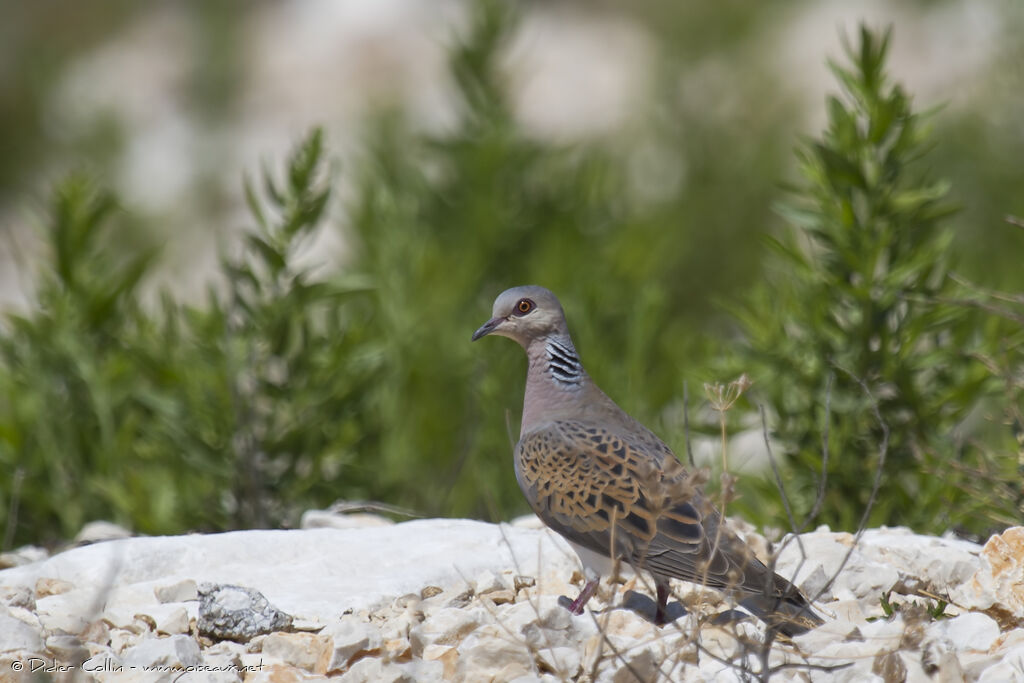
104,666
122,640
566,662
490,654
67,648
95,532
175,651
22,556
488,581
18,596
340,568
447,626
68,612
351,636
971,631
884,635
302,650
226,655
179,591
1010,668
825,552
325,519
934,562
371,670
16,635
999,581
542,622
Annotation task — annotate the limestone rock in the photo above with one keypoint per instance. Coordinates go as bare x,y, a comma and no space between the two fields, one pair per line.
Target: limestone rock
237,613
175,651
998,584
180,591
98,531
302,650
17,636
326,519
352,639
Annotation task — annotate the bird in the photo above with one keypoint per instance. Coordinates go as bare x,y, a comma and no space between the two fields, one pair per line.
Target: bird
612,488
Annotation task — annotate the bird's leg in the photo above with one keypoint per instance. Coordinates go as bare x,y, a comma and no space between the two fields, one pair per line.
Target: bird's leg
660,615
584,597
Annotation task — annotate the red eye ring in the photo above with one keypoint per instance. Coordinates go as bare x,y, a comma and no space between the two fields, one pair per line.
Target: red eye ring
524,306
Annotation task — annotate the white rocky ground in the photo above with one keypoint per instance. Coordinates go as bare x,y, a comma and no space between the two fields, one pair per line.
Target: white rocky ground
366,600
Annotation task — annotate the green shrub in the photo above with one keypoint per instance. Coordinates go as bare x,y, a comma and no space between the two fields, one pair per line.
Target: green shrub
291,386
858,315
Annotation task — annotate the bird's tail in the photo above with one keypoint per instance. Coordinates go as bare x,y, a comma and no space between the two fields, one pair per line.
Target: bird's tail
790,614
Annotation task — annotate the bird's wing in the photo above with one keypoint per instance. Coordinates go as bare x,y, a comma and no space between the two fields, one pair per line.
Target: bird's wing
591,484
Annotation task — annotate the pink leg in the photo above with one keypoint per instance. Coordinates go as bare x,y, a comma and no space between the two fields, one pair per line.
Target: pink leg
584,597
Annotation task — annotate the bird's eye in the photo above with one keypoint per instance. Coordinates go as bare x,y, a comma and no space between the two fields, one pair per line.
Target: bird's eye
523,307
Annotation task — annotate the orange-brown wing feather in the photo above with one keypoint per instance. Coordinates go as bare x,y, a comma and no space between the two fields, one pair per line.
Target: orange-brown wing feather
580,478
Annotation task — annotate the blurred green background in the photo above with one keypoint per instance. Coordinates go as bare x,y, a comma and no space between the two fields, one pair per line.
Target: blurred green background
219,314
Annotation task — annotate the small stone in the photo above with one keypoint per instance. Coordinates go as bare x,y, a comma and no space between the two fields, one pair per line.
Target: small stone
447,626
46,587
182,591
67,648
96,532
488,655
971,631
998,585
237,613
172,621
461,600
104,665
487,581
16,635
18,596
68,612
352,639
372,670
889,666
430,591
1010,668
122,640
97,632
397,650
175,651
638,664
302,650
502,597
325,519
307,625
447,655
564,662
521,582
227,654
22,556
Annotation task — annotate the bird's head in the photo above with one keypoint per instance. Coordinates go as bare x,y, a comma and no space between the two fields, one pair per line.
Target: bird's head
524,314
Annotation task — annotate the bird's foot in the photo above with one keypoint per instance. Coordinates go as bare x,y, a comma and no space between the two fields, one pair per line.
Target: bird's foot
577,605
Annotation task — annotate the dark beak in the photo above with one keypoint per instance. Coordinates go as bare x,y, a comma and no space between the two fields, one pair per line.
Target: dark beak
487,328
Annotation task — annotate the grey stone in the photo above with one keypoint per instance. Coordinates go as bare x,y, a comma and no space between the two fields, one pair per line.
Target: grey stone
237,613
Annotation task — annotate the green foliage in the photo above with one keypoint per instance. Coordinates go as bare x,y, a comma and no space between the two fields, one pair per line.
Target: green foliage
932,611
861,294
234,414
297,382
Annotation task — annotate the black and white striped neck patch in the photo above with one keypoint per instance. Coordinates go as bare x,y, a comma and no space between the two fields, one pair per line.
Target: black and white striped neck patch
563,363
